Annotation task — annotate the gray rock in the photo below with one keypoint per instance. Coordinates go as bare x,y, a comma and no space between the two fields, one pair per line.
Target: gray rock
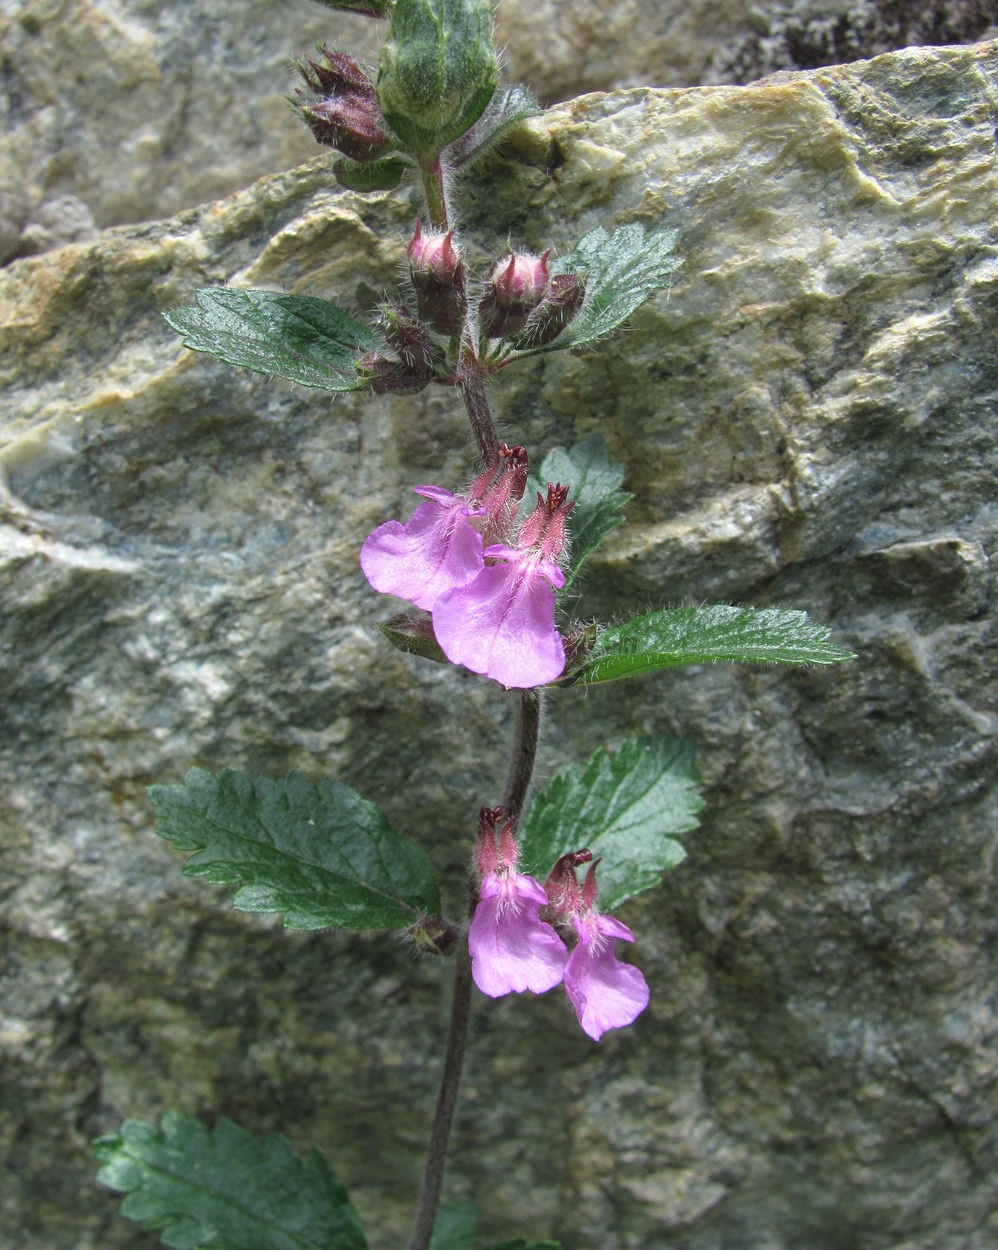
805,34
806,418
138,111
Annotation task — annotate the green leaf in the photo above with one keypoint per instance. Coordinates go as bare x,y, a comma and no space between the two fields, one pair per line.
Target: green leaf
297,337
456,1228
225,1190
380,175
507,108
438,71
595,481
521,1243
625,808
322,854
621,271
700,635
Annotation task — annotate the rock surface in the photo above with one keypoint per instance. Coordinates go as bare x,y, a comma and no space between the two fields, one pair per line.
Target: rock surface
138,110
806,418
134,111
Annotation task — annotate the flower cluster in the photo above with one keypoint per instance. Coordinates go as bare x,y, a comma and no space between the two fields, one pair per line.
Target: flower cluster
492,604
513,949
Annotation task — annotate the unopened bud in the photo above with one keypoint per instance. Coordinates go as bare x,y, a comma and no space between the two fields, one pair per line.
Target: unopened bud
517,284
339,75
351,125
408,337
439,279
438,71
412,633
345,114
557,310
386,376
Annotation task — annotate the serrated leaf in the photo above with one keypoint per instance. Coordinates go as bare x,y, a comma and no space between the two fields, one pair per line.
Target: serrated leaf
705,635
225,1190
297,337
507,108
626,808
595,487
322,855
621,271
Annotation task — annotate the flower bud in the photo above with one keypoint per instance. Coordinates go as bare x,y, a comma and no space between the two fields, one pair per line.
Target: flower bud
408,337
345,114
413,633
386,376
340,75
438,71
555,311
516,285
439,278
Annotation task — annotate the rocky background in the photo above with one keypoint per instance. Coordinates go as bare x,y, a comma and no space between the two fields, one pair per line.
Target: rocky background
807,418
113,113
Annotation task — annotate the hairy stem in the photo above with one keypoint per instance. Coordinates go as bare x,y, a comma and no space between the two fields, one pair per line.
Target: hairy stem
436,1156
435,187
521,766
472,384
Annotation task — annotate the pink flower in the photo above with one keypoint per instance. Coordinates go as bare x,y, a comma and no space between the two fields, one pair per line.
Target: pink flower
512,949
436,550
605,993
501,623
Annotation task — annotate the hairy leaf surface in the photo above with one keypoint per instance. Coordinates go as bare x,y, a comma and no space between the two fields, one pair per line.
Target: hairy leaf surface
625,808
322,855
621,271
225,1190
702,635
297,337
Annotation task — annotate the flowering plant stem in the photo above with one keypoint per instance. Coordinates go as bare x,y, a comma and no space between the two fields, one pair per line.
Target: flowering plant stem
472,385
526,734
443,1119
435,189
483,574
